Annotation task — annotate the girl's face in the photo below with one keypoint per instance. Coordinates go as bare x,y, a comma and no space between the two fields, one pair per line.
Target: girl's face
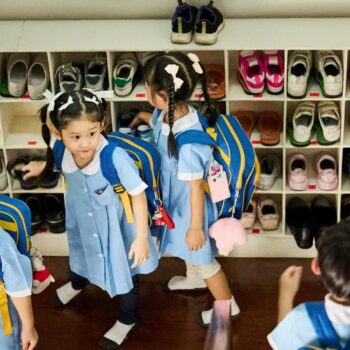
81,137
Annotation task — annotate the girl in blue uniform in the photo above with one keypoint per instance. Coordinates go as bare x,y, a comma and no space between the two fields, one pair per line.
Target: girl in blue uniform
16,313
103,248
170,81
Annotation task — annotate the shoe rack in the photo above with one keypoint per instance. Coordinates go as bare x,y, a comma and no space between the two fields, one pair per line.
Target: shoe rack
65,41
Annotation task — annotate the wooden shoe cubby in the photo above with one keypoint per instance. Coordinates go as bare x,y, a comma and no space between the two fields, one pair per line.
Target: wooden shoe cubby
76,41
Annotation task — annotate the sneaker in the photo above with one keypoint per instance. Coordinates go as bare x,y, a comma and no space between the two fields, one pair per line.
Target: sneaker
183,22
274,71
3,175
249,215
299,67
17,73
329,73
36,209
95,72
297,172
268,215
145,132
251,72
209,23
41,275
328,123
38,77
69,78
326,168
299,127
54,212
126,74
270,168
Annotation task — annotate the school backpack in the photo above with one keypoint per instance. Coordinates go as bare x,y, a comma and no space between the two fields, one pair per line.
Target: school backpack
146,158
326,334
233,150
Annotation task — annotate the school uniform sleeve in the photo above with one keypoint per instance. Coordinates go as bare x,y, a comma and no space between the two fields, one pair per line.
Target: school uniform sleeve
192,161
154,118
128,173
16,268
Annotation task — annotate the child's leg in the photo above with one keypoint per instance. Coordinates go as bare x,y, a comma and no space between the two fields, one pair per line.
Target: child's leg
70,290
216,281
192,280
127,320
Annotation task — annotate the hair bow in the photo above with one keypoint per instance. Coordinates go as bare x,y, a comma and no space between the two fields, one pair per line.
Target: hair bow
172,69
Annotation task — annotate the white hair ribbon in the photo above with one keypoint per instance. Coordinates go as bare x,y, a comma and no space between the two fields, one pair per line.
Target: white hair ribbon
69,102
172,69
93,99
52,98
196,66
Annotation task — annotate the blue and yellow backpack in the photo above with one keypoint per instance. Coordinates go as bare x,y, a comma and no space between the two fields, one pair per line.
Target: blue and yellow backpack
234,151
146,158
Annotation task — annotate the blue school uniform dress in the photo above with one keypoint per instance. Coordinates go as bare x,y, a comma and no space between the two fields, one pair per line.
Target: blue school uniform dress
99,238
296,330
15,281
192,163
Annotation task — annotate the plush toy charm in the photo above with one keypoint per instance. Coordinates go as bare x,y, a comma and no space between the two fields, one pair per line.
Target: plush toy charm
228,233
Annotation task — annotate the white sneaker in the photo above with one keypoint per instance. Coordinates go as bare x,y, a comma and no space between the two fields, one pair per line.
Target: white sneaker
95,73
3,175
17,73
299,67
270,168
38,77
329,72
69,77
328,127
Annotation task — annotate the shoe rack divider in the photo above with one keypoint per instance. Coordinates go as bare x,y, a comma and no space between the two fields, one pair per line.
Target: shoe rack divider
76,41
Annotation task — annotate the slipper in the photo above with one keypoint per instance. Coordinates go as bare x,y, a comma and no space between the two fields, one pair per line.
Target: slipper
215,75
14,168
248,120
270,125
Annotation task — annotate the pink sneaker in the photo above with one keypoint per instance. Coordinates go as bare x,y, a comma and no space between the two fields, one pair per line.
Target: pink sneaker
251,72
274,71
326,169
297,172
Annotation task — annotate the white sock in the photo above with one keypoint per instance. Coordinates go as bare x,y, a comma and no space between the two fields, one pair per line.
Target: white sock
118,332
66,293
206,315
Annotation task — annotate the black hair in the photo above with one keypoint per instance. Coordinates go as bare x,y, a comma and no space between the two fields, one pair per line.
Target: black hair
60,119
334,259
160,82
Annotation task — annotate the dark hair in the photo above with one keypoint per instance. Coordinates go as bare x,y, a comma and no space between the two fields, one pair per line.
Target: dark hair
334,259
160,81
60,119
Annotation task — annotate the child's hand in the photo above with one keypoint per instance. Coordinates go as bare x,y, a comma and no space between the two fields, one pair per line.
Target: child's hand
33,169
141,117
140,251
290,281
195,239
29,338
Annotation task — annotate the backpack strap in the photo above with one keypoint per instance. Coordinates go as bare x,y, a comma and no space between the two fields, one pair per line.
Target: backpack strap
194,136
110,173
58,152
324,329
4,311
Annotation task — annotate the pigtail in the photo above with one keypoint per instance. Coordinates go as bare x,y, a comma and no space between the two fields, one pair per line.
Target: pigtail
211,113
172,149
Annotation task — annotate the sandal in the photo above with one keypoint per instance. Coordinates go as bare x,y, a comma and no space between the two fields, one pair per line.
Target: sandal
270,125
215,75
248,120
14,168
328,123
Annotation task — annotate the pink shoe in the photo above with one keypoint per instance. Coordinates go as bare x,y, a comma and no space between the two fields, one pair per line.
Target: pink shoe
248,216
297,172
274,71
268,214
326,169
251,72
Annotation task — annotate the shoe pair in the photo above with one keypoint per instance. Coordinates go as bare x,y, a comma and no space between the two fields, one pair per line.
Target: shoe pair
47,208
14,168
324,165
328,72
206,24
23,76
266,211
307,223
327,124
269,123
270,168
69,76
254,72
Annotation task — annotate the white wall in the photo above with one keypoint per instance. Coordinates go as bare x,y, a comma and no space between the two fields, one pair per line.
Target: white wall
127,9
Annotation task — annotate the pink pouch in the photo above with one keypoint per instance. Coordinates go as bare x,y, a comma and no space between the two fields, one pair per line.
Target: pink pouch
218,184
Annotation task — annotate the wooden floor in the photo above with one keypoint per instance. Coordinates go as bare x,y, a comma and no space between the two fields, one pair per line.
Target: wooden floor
168,319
